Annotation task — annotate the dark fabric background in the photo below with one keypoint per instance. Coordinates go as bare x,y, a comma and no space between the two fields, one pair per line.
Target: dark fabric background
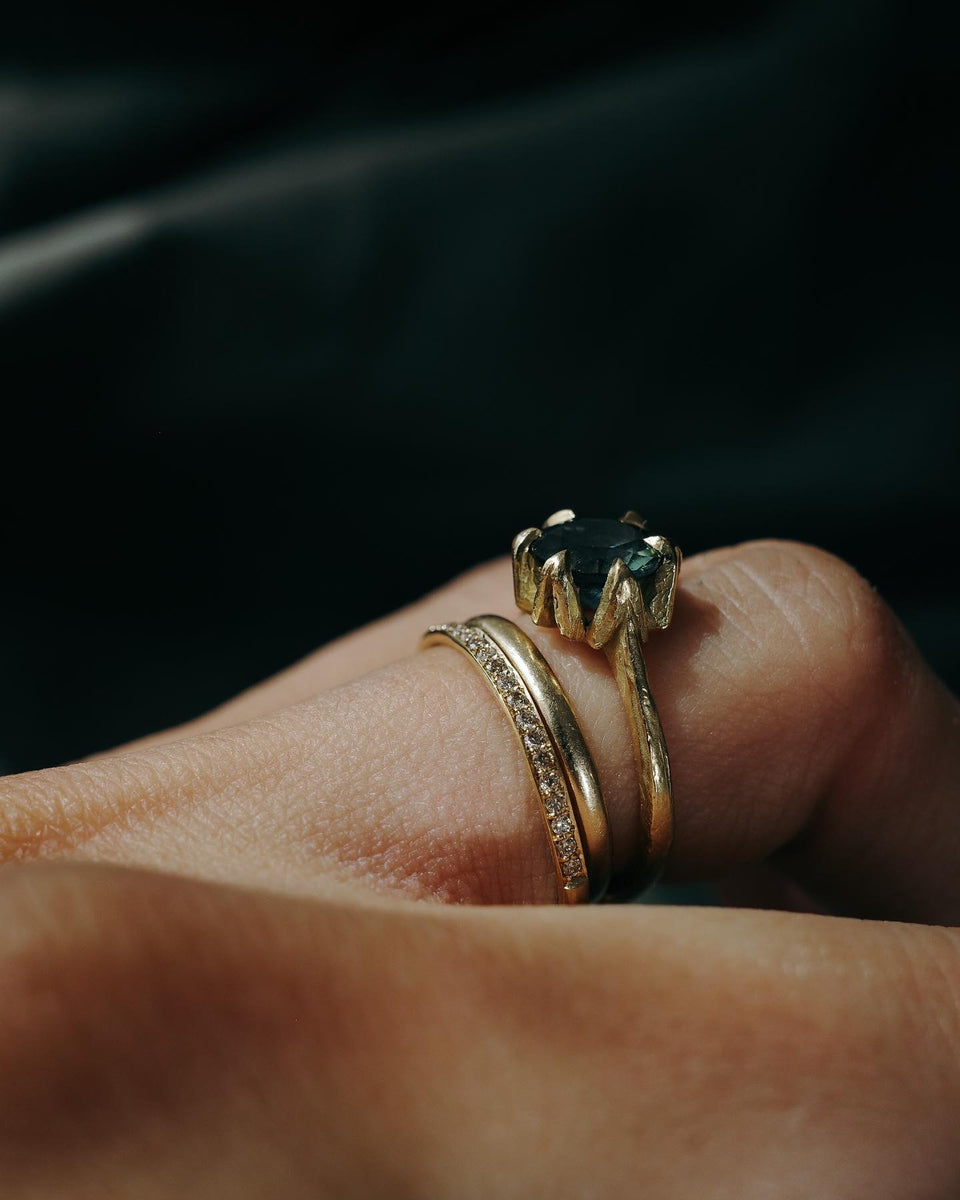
285,294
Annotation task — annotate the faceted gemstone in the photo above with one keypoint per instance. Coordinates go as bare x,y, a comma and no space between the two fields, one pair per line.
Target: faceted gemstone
594,544
555,804
567,847
571,868
561,825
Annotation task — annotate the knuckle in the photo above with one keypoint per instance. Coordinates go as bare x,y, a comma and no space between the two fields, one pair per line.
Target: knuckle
852,644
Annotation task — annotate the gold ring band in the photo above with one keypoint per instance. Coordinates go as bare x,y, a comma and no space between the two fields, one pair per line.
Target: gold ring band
625,656
608,583
560,764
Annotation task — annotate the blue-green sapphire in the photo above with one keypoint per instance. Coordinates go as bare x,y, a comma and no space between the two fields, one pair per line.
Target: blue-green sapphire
594,544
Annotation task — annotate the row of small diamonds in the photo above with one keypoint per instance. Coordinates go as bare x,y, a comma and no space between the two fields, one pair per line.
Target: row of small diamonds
536,743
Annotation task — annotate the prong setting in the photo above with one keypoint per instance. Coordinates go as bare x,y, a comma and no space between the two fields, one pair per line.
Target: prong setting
659,591
621,598
547,590
557,601
608,583
525,579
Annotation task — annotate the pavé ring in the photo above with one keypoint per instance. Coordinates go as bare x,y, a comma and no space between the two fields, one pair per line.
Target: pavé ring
560,764
608,583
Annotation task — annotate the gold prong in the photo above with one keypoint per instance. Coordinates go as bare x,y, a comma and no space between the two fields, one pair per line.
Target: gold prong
633,607
567,612
542,608
620,599
607,615
659,591
524,568
558,518
632,518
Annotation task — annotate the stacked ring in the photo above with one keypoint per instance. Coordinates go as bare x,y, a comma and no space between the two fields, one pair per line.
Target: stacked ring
560,764
607,583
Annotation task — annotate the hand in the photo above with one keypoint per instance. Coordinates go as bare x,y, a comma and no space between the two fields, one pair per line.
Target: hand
271,1017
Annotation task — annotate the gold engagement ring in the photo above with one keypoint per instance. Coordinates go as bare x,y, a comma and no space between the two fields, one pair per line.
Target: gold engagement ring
609,583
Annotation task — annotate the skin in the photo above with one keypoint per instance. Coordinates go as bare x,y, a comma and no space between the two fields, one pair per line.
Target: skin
278,952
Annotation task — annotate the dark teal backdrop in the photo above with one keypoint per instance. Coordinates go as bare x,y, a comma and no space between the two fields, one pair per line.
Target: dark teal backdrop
271,289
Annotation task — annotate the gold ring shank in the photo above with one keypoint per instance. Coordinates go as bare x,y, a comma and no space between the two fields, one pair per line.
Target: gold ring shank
568,786
625,655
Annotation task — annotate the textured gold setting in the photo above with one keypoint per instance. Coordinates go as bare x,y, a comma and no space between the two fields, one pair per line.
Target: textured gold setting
628,609
562,769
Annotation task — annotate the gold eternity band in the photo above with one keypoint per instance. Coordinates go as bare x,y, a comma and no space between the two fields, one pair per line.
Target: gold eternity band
563,772
608,583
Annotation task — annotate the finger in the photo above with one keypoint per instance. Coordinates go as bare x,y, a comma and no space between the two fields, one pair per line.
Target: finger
487,588
800,719
162,1037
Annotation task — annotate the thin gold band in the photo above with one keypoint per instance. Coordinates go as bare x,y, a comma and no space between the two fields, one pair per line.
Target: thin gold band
568,787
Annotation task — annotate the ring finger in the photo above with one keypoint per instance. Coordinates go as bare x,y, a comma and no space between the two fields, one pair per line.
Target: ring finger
797,713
